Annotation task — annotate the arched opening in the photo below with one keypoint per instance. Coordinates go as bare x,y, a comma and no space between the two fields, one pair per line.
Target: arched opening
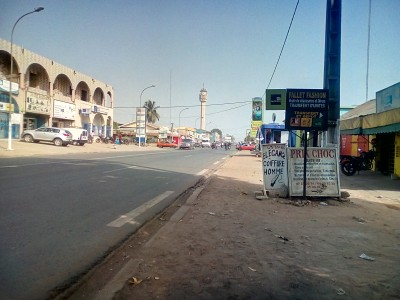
98,97
82,92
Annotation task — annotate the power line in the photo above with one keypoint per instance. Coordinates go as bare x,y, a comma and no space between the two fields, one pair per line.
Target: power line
197,105
283,46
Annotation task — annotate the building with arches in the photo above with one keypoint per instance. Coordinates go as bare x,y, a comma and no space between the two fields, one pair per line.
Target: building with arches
46,93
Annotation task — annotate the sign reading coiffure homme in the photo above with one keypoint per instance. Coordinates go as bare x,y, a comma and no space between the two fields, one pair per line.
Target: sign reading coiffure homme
275,169
321,172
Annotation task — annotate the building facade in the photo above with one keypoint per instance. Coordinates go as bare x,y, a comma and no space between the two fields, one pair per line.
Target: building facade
377,122
46,93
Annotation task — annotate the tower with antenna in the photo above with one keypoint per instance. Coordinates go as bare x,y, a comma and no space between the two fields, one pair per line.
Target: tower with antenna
203,99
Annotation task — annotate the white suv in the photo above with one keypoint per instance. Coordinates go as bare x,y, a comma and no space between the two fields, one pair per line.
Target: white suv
205,143
57,136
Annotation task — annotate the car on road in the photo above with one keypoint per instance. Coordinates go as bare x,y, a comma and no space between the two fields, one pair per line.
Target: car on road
205,143
166,144
186,144
250,147
57,136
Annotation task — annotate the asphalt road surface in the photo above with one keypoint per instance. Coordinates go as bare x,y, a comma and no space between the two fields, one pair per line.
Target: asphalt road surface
61,215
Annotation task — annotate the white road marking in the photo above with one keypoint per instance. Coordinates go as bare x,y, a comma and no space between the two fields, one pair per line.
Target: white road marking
115,170
122,156
130,216
202,172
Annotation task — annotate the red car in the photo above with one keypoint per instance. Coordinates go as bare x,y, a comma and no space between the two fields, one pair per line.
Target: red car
166,144
246,147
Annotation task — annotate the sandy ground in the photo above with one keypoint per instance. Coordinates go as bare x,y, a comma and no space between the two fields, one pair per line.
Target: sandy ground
225,244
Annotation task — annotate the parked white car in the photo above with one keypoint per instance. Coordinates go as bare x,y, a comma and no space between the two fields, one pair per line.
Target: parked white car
205,143
79,136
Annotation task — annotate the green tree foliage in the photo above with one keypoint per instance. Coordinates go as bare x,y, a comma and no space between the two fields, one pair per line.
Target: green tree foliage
151,111
217,131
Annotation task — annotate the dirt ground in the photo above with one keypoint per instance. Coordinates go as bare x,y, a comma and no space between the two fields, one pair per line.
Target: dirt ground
228,245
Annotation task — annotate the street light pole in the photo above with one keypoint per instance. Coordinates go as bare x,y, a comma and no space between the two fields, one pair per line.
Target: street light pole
151,86
180,115
11,74
195,122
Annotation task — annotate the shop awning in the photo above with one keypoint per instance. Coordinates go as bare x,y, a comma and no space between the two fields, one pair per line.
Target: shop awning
384,122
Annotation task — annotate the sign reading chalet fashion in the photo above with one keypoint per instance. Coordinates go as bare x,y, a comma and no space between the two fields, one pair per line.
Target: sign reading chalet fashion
306,109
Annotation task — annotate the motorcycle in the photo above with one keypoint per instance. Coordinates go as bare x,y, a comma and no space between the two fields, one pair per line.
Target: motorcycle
351,164
104,140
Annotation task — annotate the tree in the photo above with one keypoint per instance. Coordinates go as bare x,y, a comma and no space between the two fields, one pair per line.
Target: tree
151,111
217,131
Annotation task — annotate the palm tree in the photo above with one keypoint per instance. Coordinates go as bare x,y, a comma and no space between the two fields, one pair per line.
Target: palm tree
151,111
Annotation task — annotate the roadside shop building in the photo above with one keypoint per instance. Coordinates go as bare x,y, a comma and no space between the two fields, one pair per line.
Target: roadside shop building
46,93
378,123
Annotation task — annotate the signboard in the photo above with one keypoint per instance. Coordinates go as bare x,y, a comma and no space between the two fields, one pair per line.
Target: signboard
275,99
321,172
274,165
15,118
85,111
140,122
37,103
64,110
257,109
98,109
388,98
306,109
5,86
6,106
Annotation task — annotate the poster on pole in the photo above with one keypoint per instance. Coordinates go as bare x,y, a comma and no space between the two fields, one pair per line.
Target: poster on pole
274,165
321,172
257,111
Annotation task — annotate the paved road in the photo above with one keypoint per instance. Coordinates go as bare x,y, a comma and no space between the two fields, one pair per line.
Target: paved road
59,215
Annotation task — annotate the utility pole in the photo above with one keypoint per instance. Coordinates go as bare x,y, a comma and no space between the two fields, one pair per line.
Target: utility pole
332,69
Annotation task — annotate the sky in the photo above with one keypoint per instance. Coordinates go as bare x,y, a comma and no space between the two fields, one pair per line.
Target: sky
230,47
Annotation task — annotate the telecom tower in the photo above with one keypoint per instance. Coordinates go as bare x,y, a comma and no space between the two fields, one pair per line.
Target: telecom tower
203,99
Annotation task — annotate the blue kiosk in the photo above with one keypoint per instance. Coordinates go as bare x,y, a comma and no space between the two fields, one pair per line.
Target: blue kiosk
275,133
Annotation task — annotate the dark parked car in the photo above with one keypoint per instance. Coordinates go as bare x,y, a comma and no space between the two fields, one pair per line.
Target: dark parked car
186,144
57,136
